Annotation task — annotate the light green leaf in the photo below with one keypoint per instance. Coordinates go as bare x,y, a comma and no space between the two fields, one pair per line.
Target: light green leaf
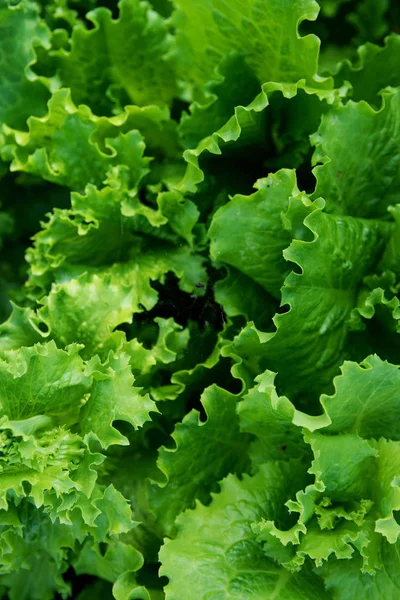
366,400
338,544
45,542
204,453
80,308
215,554
271,419
345,581
147,535
333,512
386,488
93,232
182,214
43,380
112,398
374,322
45,459
127,59
172,340
89,307
34,554
61,16
66,147
116,514
266,34
343,464
353,502
197,367
103,227
169,346
127,588
235,86
391,257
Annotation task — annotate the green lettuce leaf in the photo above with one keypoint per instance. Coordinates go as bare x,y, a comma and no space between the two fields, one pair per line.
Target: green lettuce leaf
235,86
345,580
366,400
126,287
34,553
127,65
66,147
209,214
117,560
310,337
359,188
215,554
255,306
101,228
250,233
266,35
51,501
351,506
113,398
43,380
252,126
271,420
391,258
374,322
208,450
374,70
22,92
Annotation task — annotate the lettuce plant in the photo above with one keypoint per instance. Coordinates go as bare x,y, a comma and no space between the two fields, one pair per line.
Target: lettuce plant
199,308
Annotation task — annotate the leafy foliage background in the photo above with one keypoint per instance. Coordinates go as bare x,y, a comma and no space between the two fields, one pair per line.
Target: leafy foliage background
199,304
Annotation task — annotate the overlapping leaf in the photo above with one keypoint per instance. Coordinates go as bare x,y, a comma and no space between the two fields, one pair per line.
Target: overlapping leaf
215,553
311,335
61,147
204,453
133,364
127,60
350,508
